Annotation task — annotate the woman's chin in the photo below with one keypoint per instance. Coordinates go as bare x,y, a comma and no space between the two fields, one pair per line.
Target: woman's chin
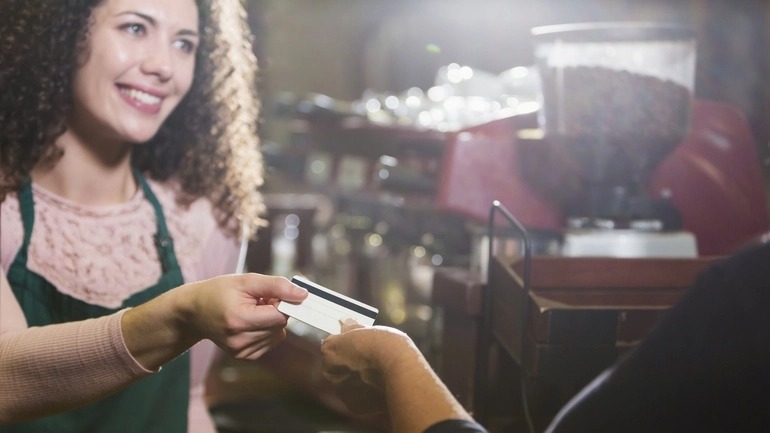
140,137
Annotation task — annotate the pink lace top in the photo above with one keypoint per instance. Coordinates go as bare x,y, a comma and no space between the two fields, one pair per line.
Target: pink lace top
101,255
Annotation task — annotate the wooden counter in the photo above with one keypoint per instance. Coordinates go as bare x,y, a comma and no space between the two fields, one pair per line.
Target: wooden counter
582,314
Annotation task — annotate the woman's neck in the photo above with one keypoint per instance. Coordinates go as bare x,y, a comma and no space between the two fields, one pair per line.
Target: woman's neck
87,174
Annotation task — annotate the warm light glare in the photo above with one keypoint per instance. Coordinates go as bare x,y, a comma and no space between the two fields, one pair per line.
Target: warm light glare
374,240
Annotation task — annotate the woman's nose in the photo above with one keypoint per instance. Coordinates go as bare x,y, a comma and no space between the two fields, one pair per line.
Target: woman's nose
159,62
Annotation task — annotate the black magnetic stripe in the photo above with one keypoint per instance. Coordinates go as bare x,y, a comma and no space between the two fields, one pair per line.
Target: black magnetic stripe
336,299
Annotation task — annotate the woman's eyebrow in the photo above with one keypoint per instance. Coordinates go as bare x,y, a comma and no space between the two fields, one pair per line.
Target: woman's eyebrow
187,32
145,17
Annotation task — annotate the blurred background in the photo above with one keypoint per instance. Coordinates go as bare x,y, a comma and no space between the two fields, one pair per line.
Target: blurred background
362,187
343,47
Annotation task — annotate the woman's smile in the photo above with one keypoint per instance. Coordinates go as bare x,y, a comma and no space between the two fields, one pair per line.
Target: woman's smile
146,101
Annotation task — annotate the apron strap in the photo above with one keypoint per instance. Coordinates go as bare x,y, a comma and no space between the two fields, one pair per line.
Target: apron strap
163,241
27,206
27,209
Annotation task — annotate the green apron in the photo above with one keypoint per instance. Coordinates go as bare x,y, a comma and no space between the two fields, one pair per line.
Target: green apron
156,403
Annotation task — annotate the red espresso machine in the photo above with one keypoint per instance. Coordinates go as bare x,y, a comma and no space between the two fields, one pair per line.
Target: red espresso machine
621,158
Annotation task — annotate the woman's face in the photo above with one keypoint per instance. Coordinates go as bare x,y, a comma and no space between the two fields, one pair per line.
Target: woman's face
138,64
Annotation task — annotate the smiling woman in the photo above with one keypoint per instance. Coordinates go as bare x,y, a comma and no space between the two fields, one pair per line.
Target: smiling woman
44,43
129,166
138,67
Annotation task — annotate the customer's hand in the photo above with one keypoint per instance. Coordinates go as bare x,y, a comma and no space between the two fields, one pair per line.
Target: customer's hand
380,368
357,362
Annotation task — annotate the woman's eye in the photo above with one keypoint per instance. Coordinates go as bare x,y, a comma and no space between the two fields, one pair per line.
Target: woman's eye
134,28
186,45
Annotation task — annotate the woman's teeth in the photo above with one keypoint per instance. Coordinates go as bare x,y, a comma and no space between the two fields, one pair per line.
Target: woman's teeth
144,98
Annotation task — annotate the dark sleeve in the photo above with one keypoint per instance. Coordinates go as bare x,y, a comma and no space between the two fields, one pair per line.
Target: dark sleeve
703,368
456,426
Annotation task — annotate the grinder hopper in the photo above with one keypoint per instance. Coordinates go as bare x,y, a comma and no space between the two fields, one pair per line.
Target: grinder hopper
616,100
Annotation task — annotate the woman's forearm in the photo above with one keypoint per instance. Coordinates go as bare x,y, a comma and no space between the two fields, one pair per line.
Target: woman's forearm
44,370
156,332
47,369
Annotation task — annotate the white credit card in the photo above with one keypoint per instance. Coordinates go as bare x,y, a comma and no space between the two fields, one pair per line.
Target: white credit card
325,309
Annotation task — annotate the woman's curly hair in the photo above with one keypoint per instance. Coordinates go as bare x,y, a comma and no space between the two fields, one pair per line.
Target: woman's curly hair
209,143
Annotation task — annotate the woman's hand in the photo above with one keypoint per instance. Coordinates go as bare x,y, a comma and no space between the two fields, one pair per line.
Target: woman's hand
237,312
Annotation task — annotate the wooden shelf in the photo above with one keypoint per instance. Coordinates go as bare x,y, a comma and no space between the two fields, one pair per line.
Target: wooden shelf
583,312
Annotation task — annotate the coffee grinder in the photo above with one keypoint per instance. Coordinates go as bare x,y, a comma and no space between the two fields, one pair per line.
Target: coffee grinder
616,100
